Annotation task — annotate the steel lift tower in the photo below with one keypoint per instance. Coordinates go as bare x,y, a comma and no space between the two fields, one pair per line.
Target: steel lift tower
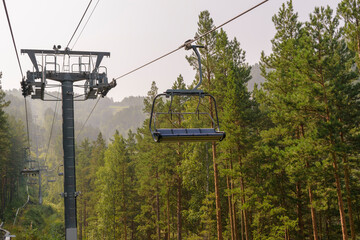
67,67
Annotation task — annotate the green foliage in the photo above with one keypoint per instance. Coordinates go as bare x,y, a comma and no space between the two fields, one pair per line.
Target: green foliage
286,170
12,143
39,223
350,12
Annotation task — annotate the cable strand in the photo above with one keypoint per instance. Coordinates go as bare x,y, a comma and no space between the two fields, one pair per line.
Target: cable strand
192,40
146,64
21,71
232,19
88,117
27,124
78,24
85,24
52,127
13,38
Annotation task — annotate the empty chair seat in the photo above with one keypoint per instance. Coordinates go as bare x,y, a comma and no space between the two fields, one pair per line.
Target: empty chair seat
37,95
30,171
187,135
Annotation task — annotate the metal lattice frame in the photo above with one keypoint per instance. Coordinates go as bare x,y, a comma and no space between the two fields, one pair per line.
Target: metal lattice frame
76,66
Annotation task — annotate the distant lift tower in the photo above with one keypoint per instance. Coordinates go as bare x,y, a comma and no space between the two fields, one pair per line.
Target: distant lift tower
67,67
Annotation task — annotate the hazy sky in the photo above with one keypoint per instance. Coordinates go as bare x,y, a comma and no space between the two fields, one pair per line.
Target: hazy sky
135,32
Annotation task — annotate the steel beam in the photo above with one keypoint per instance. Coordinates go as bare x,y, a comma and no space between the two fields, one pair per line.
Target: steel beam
69,159
66,52
67,80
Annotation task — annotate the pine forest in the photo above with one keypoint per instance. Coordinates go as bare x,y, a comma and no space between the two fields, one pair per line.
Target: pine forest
289,167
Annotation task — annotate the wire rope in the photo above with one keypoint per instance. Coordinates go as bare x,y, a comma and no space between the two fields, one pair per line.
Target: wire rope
13,38
27,124
230,20
192,40
52,126
23,206
85,24
26,111
88,117
171,52
21,71
78,23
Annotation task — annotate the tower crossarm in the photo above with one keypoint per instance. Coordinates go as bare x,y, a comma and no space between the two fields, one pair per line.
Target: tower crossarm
66,65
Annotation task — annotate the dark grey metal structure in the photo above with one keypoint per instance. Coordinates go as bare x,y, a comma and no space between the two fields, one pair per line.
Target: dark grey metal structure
76,66
33,169
186,134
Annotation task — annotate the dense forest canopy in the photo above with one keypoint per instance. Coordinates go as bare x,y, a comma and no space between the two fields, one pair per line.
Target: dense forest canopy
288,168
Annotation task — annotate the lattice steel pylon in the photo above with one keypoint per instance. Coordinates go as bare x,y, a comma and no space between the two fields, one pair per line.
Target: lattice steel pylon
77,66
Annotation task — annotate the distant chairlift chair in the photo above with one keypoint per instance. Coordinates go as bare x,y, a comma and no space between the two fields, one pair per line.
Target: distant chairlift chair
31,171
186,134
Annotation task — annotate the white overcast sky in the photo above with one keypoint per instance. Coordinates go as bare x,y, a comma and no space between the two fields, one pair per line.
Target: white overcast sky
135,32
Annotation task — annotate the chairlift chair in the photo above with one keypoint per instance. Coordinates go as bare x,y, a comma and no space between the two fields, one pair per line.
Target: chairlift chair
186,134
32,182
30,171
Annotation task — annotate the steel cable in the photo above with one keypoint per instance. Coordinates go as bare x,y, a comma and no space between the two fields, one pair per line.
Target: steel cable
21,71
85,24
52,126
192,40
88,118
79,24
13,39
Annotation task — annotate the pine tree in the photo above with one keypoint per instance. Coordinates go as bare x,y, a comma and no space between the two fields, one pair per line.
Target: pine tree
153,164
330,68
116,177
349,10
83,169
284,96
4,156
96,187
232,74
208,62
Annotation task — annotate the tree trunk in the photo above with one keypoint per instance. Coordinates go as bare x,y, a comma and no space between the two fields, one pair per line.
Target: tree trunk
312,209
217,195
125,228
233,207
168,213
80,226
327,221
230,208
299,210
244,212
179,215
348,192
124,201
340,200
320,226
85,217
3,205
358,44
336,174
348,199
157,207
114,219
242,226
132,230
313,215
179,194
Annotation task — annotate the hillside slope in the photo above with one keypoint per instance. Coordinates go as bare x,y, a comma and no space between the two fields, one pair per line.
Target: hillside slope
107,117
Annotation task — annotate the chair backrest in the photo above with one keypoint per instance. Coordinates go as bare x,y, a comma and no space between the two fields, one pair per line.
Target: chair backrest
180,134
